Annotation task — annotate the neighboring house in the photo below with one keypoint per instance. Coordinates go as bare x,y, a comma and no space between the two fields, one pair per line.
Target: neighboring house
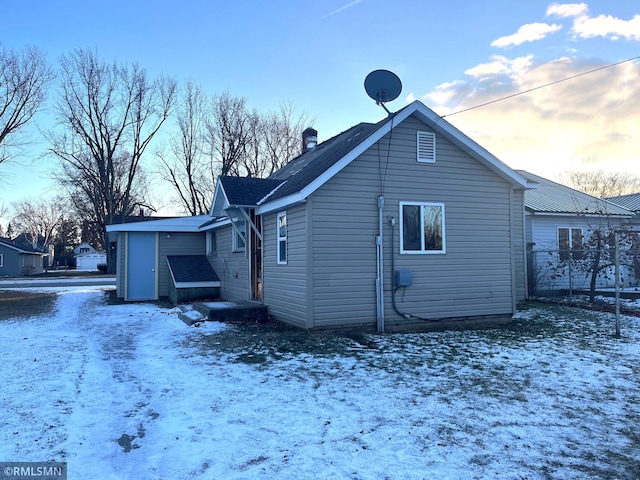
87,257
19,260
27,241
399,224
558,220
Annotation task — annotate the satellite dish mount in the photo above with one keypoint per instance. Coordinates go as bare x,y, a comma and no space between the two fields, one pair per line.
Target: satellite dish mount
383,86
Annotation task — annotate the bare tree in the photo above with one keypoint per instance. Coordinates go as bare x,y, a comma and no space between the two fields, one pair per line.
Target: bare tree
282,134
185,166
601,184
244,142
228,132
24,77
38,220
225,137
108,114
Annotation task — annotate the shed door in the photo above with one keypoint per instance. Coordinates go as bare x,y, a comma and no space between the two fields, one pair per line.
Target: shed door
141,266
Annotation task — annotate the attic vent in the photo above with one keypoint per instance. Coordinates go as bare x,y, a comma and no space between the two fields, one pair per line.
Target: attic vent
426,147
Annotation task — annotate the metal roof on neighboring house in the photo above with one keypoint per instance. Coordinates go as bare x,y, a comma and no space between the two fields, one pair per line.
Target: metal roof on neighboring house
551,197
630,201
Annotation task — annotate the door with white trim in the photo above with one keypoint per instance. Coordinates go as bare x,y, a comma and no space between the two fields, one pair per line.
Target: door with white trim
141,272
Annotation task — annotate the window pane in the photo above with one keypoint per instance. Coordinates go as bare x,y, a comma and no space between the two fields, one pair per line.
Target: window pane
576,243
282,251
411,227
432,227
240,243
282,226
563,243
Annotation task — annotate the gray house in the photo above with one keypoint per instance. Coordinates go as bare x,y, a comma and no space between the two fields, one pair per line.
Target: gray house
19,260
397,225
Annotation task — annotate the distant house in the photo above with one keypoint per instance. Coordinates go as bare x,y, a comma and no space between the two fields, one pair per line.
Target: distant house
28,241
19,260
396,225
87,257
558,220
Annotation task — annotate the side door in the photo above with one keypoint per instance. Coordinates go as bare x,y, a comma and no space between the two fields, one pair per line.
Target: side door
141,262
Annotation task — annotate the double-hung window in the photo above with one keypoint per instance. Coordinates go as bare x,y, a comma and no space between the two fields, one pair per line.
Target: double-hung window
211,242
422,227
238,242
569,243
281,222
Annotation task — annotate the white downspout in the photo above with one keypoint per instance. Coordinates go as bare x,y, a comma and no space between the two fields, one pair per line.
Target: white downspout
380,269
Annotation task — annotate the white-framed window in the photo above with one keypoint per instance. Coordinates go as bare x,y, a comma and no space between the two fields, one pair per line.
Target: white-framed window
569,243
281,223
212,246
237,240
422,227
1,260
426,147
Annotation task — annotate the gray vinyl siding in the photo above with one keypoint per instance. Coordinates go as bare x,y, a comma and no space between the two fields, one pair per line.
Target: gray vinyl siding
120,264
473,278
10,262
231,267
286,286
518,242
175,243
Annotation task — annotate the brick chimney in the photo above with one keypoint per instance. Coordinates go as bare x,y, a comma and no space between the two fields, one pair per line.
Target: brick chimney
309,139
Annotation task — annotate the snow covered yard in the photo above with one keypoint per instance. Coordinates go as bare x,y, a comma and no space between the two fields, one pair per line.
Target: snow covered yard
131,392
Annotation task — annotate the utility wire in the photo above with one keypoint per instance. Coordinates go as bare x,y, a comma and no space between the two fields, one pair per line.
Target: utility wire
542,86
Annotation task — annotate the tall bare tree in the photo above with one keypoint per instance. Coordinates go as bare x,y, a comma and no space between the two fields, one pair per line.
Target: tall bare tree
185,164
602,184
281,137
39,220
108,114
223,136
228,132
24,77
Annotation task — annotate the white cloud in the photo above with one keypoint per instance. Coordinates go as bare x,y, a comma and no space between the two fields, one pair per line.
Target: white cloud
567,9
526,33
500,66
605,26
551,129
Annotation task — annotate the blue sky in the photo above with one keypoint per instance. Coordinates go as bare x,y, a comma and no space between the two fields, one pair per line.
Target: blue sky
449,55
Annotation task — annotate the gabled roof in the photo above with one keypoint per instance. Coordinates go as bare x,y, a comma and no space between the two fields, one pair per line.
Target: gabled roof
554,198
309,171
630,201
247,191
21,248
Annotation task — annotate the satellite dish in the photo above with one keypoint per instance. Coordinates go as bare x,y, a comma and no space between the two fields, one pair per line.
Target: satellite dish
383,86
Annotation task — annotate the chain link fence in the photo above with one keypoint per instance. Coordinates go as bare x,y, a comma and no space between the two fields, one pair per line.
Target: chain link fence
584,272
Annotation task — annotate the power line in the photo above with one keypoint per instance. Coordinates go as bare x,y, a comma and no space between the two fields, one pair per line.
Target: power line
542,86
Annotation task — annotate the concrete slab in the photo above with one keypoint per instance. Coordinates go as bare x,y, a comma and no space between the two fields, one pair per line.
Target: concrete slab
233,311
